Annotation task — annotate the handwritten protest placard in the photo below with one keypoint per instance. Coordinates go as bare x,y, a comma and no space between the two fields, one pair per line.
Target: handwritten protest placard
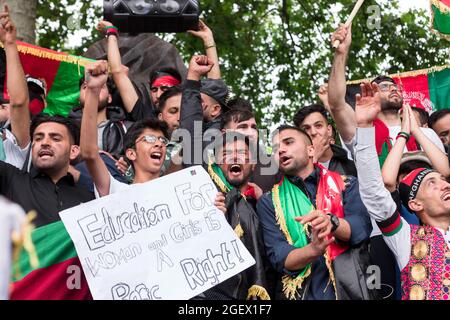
163,239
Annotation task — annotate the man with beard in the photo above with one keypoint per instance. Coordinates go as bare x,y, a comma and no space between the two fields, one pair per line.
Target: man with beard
422,252
388,123
49,187
302,217
231,172
266,173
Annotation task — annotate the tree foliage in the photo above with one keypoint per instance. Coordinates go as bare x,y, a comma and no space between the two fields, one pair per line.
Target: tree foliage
277,53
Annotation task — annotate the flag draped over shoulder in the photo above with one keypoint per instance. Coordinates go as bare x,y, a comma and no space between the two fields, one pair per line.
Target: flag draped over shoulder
61,72
440,17
427,89
58,276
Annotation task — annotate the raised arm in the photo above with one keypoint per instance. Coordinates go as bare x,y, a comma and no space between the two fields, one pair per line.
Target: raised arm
191,114
342,113
119,72
207,37
16,83
96,77
391,165
322,93
438,159
375,196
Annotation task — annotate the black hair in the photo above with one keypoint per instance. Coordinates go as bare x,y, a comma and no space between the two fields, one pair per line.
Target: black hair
409,166
169,93
380,79
303,112
288,127
137,128
72,125
436,116
235,115
240,104
423,115
109,83
156,73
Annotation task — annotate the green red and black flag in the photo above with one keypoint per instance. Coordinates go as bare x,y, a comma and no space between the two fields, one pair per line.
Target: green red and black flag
59,275
61,72
440,17
427,89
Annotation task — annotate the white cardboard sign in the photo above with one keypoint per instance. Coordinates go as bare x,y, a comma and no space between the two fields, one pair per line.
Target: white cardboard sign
163,239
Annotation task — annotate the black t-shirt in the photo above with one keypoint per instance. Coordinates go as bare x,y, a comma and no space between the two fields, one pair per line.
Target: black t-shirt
36,191
141,111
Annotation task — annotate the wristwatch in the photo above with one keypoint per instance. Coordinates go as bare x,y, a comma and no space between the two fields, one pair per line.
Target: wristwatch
334,222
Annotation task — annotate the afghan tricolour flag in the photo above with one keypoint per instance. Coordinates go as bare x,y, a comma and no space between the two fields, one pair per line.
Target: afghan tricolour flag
61,71
427,89
58,276
440,17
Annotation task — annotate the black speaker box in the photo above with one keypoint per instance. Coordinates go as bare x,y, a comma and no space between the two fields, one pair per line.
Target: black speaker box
140,16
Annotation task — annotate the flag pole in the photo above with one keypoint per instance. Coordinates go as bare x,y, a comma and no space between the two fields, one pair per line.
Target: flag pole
350,19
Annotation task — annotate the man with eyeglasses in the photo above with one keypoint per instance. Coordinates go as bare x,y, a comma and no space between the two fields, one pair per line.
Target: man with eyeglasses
387,130
388,123
145,143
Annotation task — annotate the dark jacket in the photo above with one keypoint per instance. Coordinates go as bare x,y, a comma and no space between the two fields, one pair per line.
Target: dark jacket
114,132
350,268
191,118
241,212
340,163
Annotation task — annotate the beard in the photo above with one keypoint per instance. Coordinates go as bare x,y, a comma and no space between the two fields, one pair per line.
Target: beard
238,182
388,105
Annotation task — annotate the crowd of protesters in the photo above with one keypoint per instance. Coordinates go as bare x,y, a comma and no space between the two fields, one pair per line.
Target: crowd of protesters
317,207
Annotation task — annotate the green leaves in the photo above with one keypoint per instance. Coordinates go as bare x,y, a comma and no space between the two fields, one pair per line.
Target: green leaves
277,53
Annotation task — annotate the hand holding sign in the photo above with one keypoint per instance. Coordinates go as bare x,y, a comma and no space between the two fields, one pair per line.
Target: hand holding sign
163,239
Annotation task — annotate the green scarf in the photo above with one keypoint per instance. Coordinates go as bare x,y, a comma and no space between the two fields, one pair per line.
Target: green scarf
219,178
290,202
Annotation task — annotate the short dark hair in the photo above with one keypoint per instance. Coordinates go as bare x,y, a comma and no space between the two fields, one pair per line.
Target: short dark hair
380,79
423,115
436,116
169,93
158,72
236,115
288,127
72,125
303,112
109,83
240,104
409,166
137,128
